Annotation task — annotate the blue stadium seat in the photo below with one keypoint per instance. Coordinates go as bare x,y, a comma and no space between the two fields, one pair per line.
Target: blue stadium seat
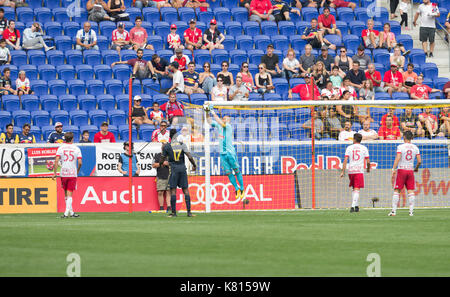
440,82
281,86
110,56
238,56
230,3
65,72
24,14
122,102
280,42
78,118
49,102
70,28
297,43
301,26
5,118
185,14
53,29
205,16
47,72
151,14
400,96
106,28
254,56
106,102
406,40
233,28
162,29
68,102
220,56
74,57
286,28
136,86
117,117
169,14
84,72
244,42
417,56
95,87
133,12
39,87
351,42
46,131
30,102
269,28
92,129
361,14
146,131
309,13
382,15
124,133
166,54
121,72
61,116
51,3
76,87
202,56
240,14
10,13
75,130
60,15
382,96
382,56
345,14
222,14
18,57
103,72
395,28
63,43
87,102
55,57
21,117
36,57
30,71
150,87
114,87
40,118
356,27
98,117
157,42
429,70
229,43
33,4
262,41
92,57
251,28
11,103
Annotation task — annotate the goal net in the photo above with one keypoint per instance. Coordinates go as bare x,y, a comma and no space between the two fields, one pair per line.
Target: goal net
286,165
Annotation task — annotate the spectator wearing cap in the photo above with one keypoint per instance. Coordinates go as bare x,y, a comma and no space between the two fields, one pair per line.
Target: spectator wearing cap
324,57
120,38
271,60
362,58
178,79
193,37
104,135
86,38
370,36
306,90
191,80
173,39
315,37
161,67
139,113
58,135
327,23
393,80
213,38
141,68
181,59
374,76
356,76
138,36
261,10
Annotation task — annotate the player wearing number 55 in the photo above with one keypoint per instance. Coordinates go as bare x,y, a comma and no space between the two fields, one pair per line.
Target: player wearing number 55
70,156
124,161
173,154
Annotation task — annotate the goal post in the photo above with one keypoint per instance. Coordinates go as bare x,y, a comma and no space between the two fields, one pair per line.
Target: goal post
284,166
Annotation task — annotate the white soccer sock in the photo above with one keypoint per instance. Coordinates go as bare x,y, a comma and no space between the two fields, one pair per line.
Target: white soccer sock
355,198
412,199
69,205
66,213
395,199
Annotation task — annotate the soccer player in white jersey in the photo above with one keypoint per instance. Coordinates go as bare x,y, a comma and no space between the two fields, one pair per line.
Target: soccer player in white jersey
357,156
404,165
70,156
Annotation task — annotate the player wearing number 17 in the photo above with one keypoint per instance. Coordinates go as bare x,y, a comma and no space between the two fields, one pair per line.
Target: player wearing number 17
357,156
70,156
404,164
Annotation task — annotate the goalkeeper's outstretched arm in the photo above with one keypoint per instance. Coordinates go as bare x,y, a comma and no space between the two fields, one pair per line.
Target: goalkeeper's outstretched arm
216,117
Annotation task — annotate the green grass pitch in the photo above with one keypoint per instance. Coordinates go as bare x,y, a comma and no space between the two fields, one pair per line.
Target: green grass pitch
290,243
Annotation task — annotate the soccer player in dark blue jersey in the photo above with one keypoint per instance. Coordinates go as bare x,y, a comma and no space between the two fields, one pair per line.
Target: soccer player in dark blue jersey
174,154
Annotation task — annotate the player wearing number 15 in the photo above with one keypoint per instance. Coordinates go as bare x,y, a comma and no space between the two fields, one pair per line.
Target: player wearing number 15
174,154
357,156
70,155
404,164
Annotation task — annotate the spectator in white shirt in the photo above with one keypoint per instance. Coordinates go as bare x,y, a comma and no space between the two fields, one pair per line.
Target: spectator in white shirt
367,133
428,13
32,38
178,79
23,84
347,133
120,38
86,38
219,92
5,55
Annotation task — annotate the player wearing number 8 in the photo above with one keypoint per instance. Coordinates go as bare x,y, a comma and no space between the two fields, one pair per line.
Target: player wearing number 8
357,156
404,163
174,154
70,156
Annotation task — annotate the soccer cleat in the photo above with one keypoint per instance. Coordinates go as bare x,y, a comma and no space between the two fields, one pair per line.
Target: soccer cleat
242,196
356,208
75,215
391,214
64,217
172,215
238,194
189,214
430,55
352,209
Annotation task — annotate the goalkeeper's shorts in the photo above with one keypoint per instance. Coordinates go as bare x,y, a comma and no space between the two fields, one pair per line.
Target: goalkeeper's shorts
229,163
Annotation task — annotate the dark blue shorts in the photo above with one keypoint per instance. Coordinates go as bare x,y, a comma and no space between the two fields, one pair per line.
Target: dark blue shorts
178,179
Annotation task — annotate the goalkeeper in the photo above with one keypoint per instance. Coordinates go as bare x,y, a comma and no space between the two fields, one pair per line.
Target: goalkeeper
228,158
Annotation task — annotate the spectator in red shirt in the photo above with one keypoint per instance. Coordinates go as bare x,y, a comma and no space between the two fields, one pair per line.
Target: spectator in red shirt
430,122
261,10
327,23
371,37
305,90
374,76
104,135
389,131
393,80
446,90
174,110
444,121
193,37
12,36
341,3
394,118
181,59
420,91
